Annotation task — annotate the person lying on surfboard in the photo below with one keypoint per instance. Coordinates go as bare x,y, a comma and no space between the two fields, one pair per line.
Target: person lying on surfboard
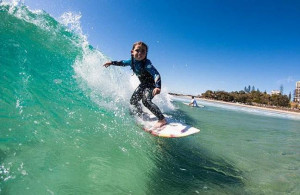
149,77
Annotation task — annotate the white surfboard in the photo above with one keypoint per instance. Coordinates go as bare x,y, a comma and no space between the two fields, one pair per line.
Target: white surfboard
199,105
171,130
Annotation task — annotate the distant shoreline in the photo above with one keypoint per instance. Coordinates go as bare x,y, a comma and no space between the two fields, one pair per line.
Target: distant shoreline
274,109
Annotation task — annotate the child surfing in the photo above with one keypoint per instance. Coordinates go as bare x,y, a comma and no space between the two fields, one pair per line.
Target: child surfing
150,81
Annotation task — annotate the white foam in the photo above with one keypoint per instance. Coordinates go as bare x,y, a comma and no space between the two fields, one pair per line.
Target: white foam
256,111
72,21
12,3
16,8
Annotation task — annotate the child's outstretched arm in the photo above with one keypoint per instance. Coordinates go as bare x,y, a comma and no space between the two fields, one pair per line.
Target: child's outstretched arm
107,64
117,63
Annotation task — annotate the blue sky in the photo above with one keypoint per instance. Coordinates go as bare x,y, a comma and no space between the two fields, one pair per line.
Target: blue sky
198,45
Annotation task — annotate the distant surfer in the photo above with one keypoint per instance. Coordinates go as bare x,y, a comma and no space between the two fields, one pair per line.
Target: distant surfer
193,102
150,81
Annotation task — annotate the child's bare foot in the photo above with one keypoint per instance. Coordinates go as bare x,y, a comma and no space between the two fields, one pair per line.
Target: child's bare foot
160,123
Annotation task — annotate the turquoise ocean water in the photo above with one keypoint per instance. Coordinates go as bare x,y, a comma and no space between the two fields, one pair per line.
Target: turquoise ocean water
65,126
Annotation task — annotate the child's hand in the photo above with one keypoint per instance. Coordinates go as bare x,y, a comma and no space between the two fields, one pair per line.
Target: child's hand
107,64
156,91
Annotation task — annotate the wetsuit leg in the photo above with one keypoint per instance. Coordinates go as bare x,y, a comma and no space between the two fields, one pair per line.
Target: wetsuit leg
135,98
147,97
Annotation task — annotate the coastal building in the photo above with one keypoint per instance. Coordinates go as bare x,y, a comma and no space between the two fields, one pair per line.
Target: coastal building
275,92
297,92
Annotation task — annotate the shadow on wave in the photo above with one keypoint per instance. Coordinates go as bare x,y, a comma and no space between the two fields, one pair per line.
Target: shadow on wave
184,167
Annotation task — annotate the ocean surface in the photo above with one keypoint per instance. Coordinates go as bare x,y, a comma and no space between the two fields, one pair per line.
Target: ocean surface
65,126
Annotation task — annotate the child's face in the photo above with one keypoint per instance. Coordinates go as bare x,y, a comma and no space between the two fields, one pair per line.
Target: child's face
139,52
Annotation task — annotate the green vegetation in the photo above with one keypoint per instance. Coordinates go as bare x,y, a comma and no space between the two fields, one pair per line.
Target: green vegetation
253,97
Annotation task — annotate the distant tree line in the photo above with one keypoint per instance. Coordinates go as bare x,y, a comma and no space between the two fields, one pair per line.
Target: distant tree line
249,89
249,96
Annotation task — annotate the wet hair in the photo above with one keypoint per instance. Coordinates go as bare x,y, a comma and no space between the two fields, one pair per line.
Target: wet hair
142,44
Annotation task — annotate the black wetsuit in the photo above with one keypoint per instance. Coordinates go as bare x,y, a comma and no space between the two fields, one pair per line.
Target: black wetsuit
150,79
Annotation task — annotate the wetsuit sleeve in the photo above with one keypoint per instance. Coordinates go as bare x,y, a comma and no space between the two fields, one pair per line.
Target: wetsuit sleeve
154,73
121,63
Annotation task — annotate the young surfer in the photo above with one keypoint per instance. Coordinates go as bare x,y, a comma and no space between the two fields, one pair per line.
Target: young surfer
150,81
193,102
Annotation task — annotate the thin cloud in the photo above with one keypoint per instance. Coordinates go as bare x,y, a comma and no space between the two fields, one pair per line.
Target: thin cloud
289,79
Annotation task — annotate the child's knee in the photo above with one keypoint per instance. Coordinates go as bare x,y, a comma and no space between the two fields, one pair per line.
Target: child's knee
146,102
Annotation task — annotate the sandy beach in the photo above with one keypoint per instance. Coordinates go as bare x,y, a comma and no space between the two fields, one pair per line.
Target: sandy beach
278,110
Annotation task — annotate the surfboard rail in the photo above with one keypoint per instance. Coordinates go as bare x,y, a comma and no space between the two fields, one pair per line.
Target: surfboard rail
173,129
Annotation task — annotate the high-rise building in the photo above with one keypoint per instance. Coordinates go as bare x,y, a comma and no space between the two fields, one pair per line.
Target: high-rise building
297,92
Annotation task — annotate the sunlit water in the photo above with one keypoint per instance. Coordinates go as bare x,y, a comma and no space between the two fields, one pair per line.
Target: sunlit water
65,127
